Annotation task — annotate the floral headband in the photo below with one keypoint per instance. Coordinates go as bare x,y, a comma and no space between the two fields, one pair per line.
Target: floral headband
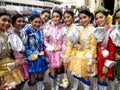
100,8
82,8
117,7
68,10
57,9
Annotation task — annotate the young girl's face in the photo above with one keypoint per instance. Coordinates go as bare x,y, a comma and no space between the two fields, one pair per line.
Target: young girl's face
84,19
19,23
118,17
101,19
45,17
36,23
56,18
5,22
68,19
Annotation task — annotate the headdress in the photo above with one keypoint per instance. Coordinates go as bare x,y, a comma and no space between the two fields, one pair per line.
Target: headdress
34,12
82,8
117,7
68,10
46,10
2,10
57,9
100,8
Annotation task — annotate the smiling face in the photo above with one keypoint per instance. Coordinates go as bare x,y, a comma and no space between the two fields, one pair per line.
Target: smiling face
84,19
56,18
36,23
118,17
101,19
5,22
19,23
45,17
68,19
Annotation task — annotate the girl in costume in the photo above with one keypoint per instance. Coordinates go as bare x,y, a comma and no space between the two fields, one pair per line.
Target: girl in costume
71,35
45,16
18,23
53,46
106,50
86,54
9,72
34,51
117,56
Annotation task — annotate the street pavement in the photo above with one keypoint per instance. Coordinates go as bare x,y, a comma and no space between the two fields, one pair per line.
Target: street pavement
47,83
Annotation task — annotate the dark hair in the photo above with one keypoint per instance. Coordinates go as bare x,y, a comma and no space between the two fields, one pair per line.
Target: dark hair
5,13
45,10
33,17
15,17
114,16
103,12
69,11
88,13
57,10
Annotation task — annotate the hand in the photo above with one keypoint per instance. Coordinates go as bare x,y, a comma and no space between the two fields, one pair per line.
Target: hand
58,48
80,47
76,45
89,69
104,70
117,57
17,62
41,53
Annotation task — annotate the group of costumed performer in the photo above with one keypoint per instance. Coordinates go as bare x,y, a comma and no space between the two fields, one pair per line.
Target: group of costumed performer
80,48
34,51
106,50
10,74
54,46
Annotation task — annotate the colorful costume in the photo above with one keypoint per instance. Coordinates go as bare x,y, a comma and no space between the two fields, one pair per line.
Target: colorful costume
106,51
33,46
20,55
9,74
51,40
84,59
117,43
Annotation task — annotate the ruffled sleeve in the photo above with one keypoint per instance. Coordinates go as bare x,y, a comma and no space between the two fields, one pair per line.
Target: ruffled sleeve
115,36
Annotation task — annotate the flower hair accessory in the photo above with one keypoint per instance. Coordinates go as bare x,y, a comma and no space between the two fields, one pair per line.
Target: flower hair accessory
82,8
68,10
57,9
100,8
117,7
2,10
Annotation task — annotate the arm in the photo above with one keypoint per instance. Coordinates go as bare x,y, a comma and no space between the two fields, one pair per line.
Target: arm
46,42
112,51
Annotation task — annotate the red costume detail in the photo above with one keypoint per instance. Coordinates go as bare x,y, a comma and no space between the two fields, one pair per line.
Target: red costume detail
101,59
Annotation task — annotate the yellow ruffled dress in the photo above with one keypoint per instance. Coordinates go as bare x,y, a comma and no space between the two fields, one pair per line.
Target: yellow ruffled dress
7,76
81,61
